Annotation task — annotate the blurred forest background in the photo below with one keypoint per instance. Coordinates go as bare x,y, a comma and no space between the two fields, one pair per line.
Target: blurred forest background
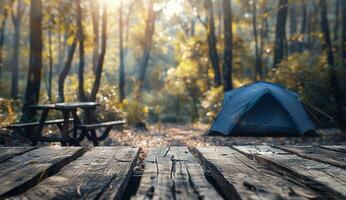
168,60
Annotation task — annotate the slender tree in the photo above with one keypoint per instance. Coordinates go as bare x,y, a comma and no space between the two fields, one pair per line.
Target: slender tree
258,68
98,73
35,62
148,42
121,56
280,33
337,19
127,31
303,26
17,17
2,39
65,71
293,47
80,32
343,31
227,65
212,42
95,13
334,83
50,58
62,47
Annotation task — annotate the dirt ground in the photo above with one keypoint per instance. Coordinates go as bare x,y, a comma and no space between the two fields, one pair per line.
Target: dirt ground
189,135
194,135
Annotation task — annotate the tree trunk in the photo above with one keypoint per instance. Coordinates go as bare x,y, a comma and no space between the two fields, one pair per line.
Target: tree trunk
15,61
121,56
127,32
50,56
193,25
258,67
334,83
149,32
293,27
35,63
280,33
81,92
95,13
344,31
337,20
227,66
99,68
303,26
2,39
212,42
16,19
62,50
65,71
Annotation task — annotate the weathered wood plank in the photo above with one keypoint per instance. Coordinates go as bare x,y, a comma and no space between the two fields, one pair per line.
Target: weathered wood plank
22,172
102,173
241,178
327,179
174,173
339,148
335,158
9,152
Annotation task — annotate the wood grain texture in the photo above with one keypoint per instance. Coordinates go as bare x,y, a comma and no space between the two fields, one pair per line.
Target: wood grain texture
339,148
22,172
327,156
325,178
174,173
9,152
102,173
241,178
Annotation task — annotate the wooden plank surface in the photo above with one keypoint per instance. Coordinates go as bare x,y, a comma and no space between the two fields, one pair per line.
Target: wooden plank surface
102,173
174,173
328,179
241,178
339,148
9,152
22,172
327,156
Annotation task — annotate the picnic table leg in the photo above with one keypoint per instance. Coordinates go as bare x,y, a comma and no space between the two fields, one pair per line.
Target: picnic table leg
38,131
76,121
94,137
90,118
64,131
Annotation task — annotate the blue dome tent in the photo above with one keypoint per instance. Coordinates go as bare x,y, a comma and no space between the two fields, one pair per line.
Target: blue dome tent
262,108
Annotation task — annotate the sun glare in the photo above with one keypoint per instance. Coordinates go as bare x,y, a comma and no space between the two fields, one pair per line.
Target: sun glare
110,3
173,7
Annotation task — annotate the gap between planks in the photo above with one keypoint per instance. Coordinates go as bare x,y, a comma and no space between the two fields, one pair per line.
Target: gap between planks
174,173
7,153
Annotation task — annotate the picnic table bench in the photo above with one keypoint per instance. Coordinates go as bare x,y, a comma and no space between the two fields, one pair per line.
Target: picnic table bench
217,172
73,136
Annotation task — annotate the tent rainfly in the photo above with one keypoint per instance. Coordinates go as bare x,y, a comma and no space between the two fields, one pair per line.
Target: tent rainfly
262,108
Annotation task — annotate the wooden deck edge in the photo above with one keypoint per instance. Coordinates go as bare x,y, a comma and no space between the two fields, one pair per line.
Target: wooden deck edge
8,157
223,186
106,194
53,169
290,173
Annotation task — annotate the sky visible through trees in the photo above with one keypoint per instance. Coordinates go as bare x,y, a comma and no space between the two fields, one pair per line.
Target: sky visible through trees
168,60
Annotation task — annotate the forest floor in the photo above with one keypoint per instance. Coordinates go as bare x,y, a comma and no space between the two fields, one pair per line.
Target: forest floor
192,135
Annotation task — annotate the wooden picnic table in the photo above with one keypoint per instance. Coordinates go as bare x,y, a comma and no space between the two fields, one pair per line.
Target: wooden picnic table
68,110
216,172
80,129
